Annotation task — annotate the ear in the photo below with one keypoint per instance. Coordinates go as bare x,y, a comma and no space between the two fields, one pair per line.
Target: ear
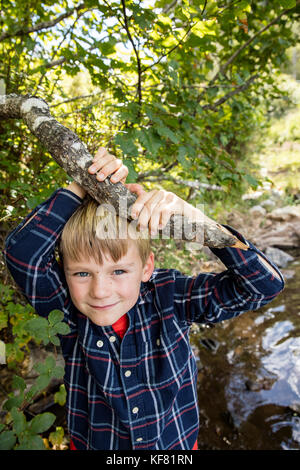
148,268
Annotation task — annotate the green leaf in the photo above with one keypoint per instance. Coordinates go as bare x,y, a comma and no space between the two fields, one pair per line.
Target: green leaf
108,47
13,401
41,423
182,157
55,316
168,133
253,182
41,367
61,395
7,440
19,421
150,140
30,442
288,3
3,320
38,327
18,383
42,382
58,372
127,145
50,362
132,174
60,328
56,437
54,340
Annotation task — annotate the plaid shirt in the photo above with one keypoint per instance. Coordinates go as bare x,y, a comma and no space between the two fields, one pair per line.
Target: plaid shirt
138,392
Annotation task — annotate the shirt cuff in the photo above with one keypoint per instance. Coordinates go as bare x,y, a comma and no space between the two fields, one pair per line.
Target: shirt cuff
247,264
61,204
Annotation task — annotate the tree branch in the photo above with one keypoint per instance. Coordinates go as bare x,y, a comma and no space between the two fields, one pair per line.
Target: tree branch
191,26
126,26
237,90
190,184
69,100
171,49
43,25
72,155
144,176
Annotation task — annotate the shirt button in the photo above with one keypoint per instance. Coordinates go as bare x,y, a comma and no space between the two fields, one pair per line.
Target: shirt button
139,439
158,342
112,339
100,343
127,373
135,410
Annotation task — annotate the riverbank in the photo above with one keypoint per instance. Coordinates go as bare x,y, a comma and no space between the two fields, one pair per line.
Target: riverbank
249,367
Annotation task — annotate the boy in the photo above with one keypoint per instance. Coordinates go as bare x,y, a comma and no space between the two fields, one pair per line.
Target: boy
130,373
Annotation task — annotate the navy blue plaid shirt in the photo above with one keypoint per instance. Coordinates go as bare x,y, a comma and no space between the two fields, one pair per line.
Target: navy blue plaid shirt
138,392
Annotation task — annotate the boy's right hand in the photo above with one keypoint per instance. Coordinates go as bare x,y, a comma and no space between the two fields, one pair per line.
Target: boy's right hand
105,164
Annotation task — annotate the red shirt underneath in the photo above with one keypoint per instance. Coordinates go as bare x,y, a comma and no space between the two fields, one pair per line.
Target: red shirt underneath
120,327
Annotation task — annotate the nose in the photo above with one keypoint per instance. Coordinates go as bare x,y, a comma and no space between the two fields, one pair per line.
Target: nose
100,288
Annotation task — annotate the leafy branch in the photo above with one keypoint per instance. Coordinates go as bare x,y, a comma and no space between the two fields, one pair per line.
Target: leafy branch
229,95
17,432
43,25
225,66
138,60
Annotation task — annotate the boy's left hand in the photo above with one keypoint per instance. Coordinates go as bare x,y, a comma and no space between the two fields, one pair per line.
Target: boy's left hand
153,209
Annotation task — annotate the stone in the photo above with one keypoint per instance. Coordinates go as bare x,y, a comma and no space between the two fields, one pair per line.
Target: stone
268,203
258,210
286,213
282,235
278,257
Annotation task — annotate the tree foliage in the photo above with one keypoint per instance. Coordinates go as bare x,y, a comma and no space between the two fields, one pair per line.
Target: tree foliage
175,88
16,432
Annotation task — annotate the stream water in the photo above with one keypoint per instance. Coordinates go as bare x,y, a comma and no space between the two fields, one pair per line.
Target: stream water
249,376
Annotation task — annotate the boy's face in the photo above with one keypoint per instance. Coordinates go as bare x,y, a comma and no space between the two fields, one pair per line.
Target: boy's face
106,292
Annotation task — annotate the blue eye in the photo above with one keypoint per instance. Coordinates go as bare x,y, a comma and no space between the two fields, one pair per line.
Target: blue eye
81,274
118,272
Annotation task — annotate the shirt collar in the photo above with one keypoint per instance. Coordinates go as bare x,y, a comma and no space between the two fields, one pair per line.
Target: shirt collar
146,290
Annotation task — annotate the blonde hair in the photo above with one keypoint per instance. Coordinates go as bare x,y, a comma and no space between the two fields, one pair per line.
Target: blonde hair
93,231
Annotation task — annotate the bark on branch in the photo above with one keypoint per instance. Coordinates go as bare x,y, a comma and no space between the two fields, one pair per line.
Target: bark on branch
72,155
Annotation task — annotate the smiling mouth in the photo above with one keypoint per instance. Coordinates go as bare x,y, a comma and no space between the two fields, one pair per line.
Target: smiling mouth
103,307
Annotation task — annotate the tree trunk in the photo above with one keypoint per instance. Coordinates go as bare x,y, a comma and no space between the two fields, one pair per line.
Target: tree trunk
72,155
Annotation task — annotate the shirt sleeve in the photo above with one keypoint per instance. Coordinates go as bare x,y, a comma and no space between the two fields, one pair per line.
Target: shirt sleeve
30,253
245,285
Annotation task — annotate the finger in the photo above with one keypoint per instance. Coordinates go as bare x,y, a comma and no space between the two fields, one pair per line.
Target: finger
138,205
165,216
149,210
135,188
154,220
120,175
155,205
101,152
100,161
109,168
